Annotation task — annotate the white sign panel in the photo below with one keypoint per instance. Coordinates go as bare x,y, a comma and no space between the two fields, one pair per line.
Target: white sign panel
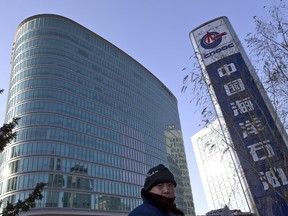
214,41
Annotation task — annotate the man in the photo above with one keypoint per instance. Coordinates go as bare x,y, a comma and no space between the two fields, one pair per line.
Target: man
158,194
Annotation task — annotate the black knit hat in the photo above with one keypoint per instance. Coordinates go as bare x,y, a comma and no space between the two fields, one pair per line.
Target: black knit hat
157,175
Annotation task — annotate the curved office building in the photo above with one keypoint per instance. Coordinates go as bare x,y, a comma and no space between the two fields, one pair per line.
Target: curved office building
93,121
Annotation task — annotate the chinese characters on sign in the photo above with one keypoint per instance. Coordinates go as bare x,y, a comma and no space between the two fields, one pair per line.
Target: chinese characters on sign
250,126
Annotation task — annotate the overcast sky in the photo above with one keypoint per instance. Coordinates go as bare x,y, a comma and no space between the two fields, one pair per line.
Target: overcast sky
153,32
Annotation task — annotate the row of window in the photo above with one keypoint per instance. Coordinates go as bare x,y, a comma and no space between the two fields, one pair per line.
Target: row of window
98,165
92,81
147,121
98,102
120,134
94,127
48,101
219,187
80,153
80,201
91,96
50,46
94,158
98,79
71,182
96,63
130,69
235,204
78,89
63,136
68,98
61,103
84,148
91,42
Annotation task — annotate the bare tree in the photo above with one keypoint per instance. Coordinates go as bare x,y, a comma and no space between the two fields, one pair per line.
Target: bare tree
25,205
194,82
268,46
7,134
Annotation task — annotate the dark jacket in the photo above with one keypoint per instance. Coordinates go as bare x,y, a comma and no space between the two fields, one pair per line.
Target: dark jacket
149,208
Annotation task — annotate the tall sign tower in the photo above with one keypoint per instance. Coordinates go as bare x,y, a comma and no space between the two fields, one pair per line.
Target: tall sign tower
245,111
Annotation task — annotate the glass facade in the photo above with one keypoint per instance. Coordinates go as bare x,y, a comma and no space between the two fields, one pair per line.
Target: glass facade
221,174
93,121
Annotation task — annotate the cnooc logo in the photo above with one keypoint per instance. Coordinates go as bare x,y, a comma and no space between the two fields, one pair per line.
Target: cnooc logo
211,40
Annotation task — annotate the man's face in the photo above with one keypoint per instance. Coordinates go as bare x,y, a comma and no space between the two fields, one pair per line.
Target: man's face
165,189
